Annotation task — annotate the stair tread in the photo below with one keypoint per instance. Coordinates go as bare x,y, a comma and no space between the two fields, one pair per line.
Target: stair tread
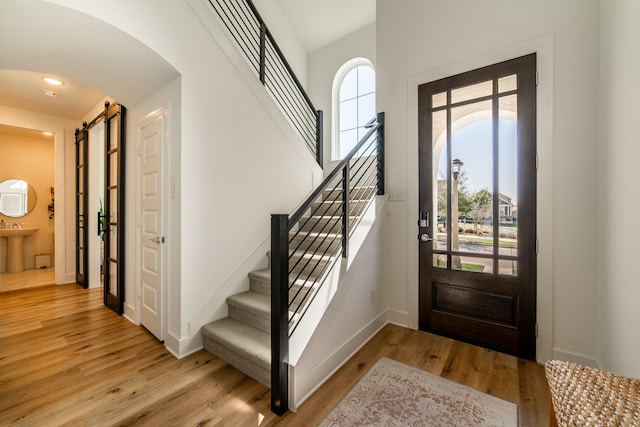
243,339
264,275
252,301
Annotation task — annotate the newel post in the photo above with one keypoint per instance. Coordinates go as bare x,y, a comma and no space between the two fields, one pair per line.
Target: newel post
279,313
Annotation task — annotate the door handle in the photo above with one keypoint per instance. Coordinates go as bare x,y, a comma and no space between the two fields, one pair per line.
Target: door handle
156,240
425,237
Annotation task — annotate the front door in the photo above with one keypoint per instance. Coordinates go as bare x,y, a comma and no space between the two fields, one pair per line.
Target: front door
151,236
477,242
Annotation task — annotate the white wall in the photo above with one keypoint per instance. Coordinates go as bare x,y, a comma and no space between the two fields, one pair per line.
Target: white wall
417,37
238,163
356,312
282,31
324,63
619,150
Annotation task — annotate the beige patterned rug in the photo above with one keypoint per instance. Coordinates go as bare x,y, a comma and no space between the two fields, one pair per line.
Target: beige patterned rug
395,394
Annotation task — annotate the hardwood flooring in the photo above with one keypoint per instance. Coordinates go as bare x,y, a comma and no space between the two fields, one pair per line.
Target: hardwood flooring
27,279
66,360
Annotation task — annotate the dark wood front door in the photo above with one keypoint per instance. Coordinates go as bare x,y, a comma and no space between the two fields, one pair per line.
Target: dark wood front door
477,242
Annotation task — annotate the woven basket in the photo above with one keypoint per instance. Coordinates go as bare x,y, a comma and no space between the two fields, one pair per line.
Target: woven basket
583,396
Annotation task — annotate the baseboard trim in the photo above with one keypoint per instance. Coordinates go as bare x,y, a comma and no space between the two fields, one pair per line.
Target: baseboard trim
575,358
182,347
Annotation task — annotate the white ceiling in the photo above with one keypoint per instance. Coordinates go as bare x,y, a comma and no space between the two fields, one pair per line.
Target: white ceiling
317,24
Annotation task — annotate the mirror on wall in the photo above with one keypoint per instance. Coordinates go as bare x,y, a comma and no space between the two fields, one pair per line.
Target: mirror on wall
17,198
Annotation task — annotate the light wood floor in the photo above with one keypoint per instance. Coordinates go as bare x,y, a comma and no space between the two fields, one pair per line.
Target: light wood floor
27,279
67,360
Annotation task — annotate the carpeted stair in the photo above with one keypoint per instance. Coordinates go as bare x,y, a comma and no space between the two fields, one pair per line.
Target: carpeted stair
243,338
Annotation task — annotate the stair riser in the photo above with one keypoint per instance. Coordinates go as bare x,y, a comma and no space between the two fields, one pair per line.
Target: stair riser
258,321
316,245
238,361
265,289
335,208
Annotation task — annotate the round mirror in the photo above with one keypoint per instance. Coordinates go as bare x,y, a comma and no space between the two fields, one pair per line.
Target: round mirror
17,198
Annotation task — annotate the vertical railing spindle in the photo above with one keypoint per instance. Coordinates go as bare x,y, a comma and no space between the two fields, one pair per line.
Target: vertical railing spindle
345,210
279,313
380,137
263,52
319,137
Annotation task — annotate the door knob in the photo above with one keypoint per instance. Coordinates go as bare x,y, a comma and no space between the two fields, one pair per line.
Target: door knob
425,237
156,240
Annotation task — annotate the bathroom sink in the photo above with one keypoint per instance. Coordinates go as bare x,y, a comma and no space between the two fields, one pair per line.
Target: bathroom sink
15,247
8,232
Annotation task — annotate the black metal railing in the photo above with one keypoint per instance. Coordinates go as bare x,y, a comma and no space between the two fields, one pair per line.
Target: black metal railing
242,20
305,245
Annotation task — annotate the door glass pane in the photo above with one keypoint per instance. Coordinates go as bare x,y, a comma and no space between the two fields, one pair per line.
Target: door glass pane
81,179
467,263
440,260
470,92
114,134
439,100
113,168
472,180
113,243
80,264
112,279
508,267
508,177
508,83
439,132
80,151
113,205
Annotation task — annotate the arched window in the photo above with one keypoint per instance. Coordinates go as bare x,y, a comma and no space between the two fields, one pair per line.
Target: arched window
354,95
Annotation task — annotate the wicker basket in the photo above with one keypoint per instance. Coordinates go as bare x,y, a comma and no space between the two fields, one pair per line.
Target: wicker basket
583,396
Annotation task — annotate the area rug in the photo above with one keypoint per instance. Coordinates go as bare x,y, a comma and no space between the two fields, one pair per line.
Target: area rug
395,394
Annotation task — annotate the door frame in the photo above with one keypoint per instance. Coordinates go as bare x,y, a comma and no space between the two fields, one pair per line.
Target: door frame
161,113
543,47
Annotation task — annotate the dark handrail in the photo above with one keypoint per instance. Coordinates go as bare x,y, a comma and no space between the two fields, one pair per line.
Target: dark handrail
283,267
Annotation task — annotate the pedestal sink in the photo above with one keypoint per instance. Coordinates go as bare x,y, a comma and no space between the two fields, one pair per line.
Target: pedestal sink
15,247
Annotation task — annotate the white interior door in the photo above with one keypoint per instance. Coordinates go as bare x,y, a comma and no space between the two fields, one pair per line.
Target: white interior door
151,230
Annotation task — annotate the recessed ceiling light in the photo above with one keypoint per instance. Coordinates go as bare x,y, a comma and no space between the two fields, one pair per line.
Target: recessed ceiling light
53,81
50,93
47,133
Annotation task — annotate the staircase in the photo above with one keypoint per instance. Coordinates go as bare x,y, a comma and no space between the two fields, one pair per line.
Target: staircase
243,339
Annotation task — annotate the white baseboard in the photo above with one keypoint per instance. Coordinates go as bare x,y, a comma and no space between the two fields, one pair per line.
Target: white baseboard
182,347
130,313
575,358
